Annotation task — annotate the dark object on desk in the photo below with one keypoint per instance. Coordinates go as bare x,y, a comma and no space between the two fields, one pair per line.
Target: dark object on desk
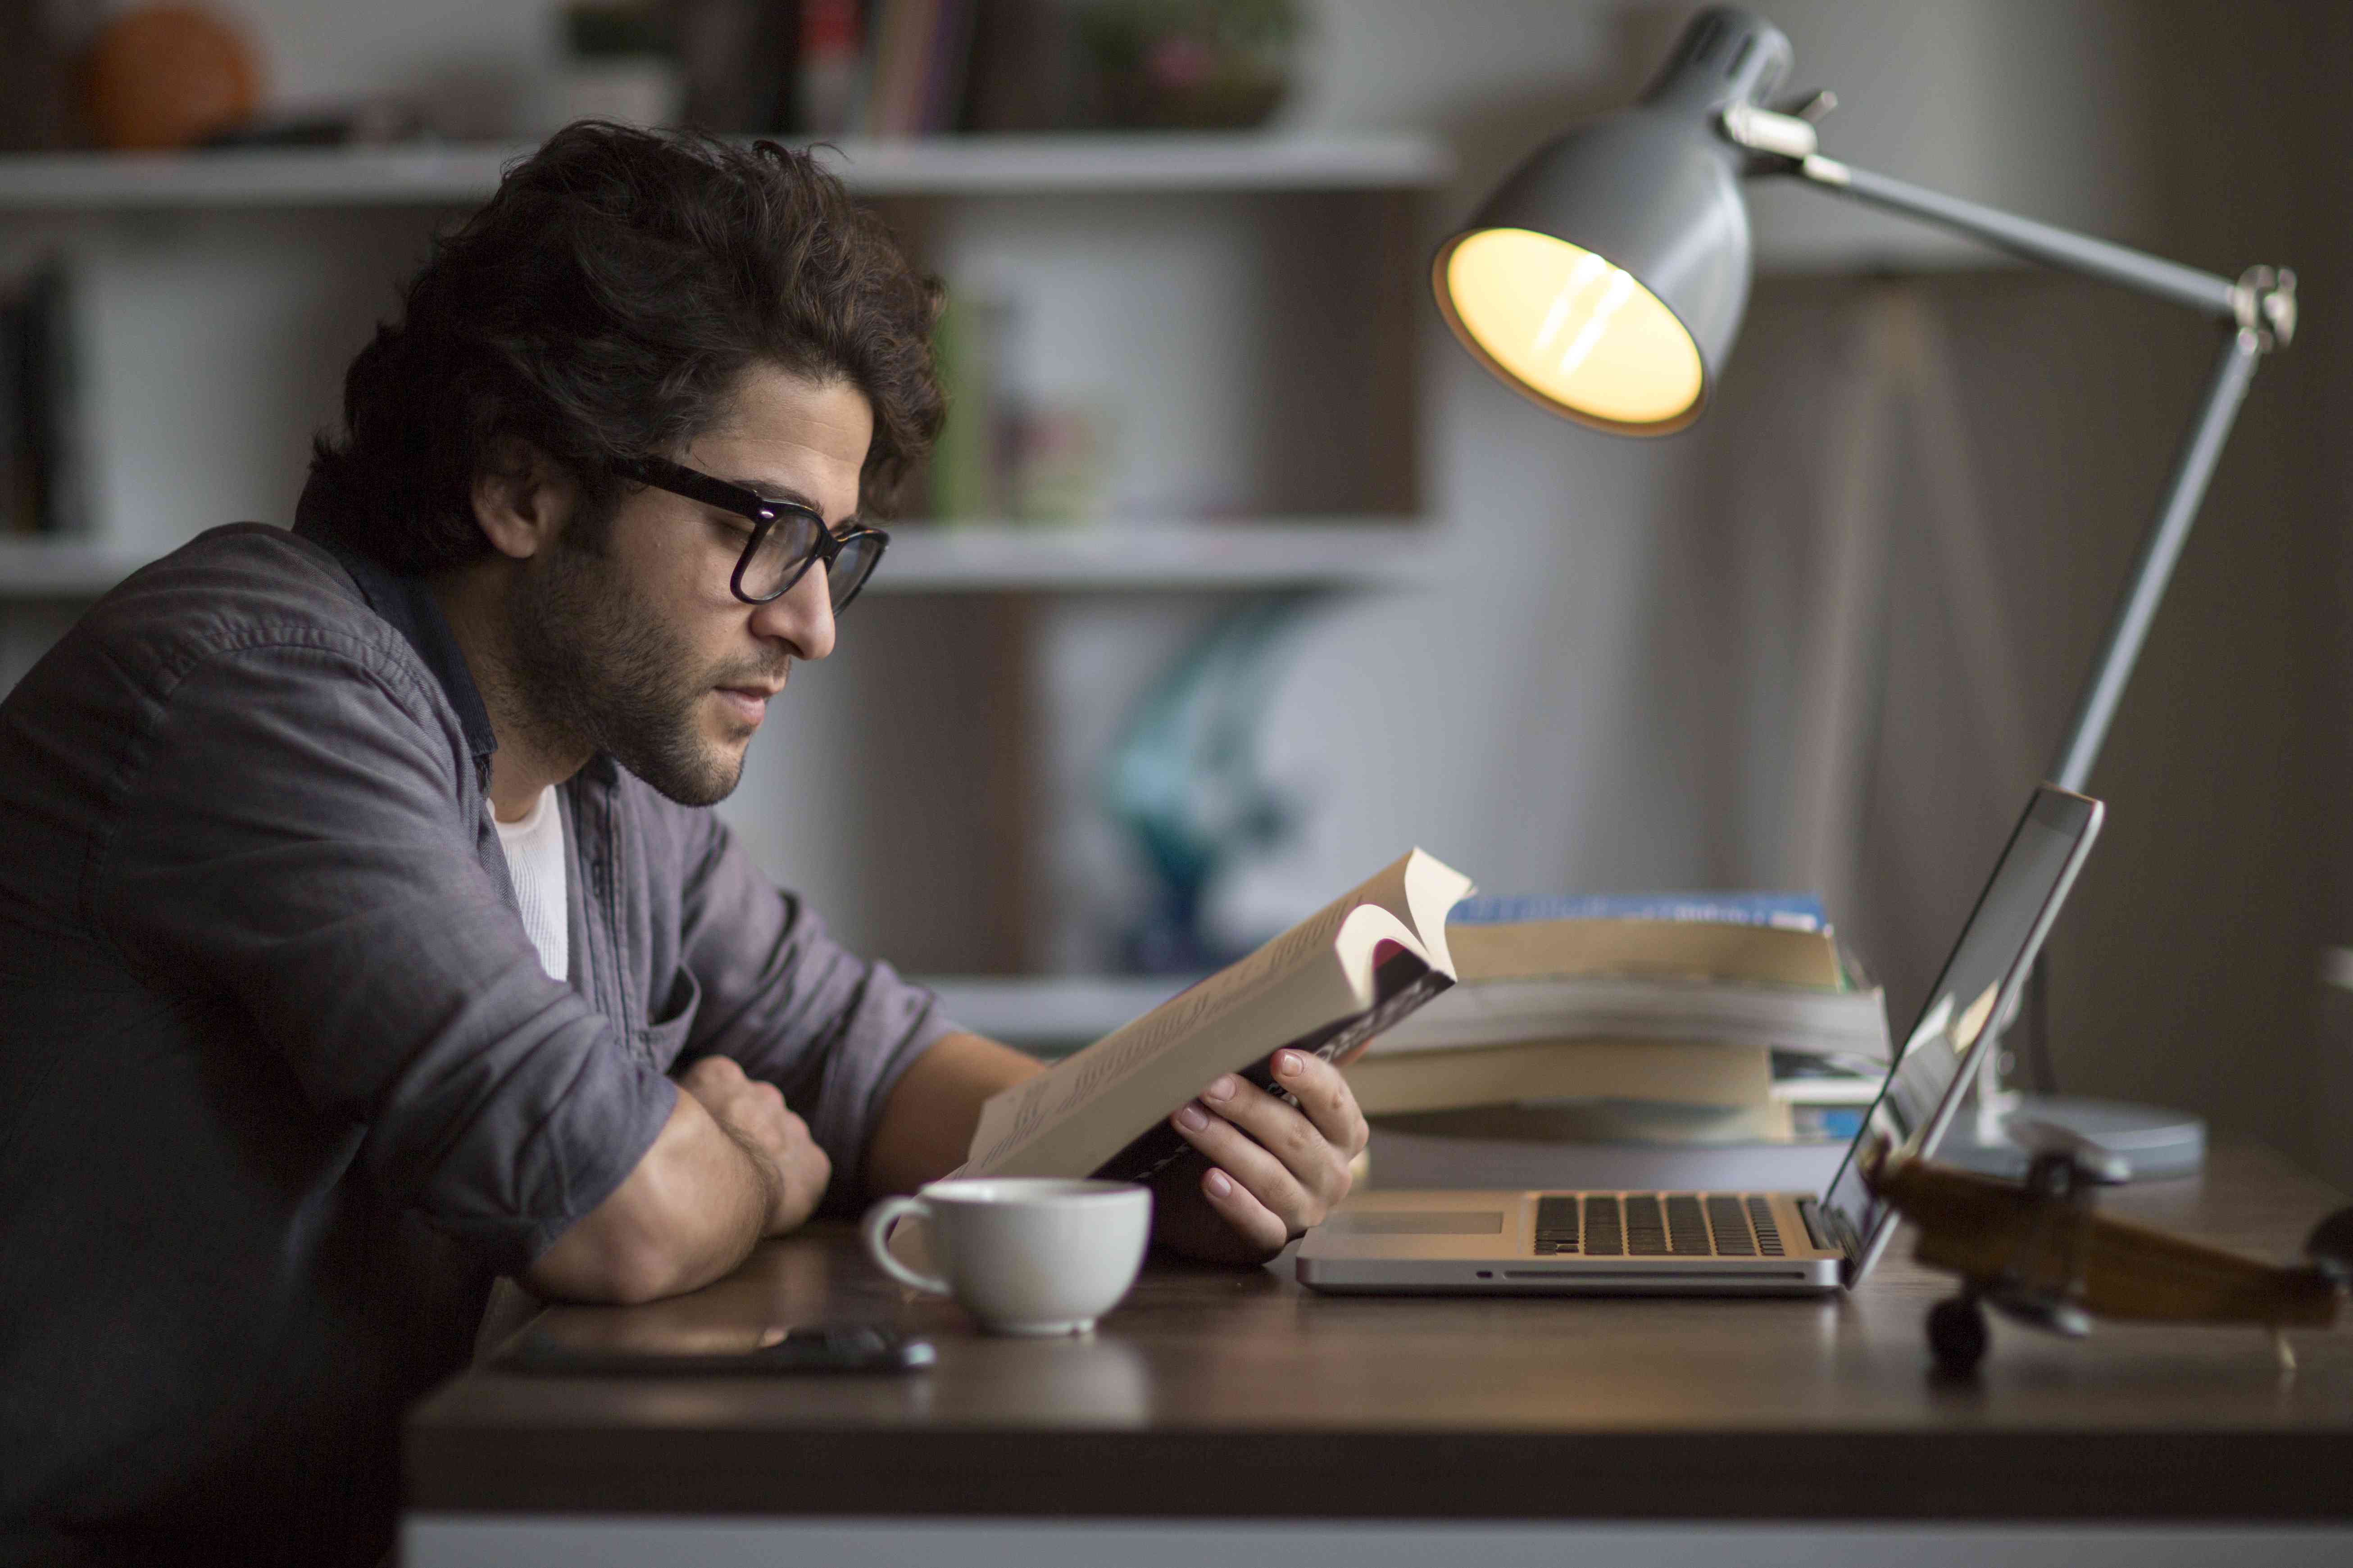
818,1347
2037,1253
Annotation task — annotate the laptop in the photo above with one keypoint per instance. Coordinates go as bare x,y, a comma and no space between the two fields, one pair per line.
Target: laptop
1732,1243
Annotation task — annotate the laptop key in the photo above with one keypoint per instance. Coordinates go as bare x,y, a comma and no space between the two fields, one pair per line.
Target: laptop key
1646,1227
1686,1231
1556,1230
1730,1226
1769,1234
1603,1232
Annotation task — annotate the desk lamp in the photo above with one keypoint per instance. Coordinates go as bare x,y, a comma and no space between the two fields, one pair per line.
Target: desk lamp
1605,279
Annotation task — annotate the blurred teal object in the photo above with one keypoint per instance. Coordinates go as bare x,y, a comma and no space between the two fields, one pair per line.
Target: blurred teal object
1185,781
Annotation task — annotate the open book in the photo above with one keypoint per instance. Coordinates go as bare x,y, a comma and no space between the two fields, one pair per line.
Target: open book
1326,986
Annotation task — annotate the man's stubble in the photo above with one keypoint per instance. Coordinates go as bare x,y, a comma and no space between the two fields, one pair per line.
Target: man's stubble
597,667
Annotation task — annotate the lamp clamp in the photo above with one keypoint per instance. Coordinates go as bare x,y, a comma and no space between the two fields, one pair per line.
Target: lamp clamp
2263,299
1771,132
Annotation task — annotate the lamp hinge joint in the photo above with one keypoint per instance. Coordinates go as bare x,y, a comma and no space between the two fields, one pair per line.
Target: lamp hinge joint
2263,299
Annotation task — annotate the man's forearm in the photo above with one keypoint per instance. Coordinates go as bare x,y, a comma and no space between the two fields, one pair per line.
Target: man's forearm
693,1208
927,1121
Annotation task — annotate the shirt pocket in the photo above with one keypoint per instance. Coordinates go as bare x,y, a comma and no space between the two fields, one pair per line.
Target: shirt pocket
662,1036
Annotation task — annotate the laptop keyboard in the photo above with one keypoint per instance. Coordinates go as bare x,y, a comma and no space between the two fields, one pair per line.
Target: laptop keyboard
1657,1225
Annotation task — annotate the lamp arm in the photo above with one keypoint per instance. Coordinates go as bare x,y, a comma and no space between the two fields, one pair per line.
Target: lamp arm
2193,467
2024,236
2263,298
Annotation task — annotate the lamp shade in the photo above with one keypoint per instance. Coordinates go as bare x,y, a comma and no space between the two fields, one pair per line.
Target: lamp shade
1605,277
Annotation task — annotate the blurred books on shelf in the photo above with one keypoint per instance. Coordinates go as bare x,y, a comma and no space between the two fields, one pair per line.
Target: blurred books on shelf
918,60
41,454
893,69
1703,1021
1002,456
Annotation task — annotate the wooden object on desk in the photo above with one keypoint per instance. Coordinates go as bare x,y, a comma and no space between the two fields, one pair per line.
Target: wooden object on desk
1983,1228
1238,1395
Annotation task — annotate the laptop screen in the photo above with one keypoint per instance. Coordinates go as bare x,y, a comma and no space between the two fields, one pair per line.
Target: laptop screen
1966,1006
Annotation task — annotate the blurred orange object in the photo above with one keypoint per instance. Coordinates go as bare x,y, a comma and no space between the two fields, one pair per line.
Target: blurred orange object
168,76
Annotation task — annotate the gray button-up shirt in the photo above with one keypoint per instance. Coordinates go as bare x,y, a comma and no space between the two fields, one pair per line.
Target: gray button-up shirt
282,1083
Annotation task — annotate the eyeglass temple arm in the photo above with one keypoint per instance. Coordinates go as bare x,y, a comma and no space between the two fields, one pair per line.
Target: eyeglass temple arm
685,481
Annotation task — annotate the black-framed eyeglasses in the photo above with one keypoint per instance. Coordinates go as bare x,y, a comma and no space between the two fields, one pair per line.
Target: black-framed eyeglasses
786,536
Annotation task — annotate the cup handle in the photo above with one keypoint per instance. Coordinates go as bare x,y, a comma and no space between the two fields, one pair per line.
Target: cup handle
877,1227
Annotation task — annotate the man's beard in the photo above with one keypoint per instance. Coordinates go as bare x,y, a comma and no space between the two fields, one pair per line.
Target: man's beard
595,667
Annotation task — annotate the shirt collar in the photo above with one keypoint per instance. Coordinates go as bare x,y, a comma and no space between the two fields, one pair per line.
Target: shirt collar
405,602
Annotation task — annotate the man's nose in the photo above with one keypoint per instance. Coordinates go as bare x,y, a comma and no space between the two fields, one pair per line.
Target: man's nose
801,615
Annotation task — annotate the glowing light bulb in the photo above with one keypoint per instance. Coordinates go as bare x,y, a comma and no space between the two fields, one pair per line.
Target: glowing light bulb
1573,329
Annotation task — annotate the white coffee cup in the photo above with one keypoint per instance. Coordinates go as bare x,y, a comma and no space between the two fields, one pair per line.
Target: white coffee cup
1025,1255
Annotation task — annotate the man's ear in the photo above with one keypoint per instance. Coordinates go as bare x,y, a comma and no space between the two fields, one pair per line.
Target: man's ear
523,497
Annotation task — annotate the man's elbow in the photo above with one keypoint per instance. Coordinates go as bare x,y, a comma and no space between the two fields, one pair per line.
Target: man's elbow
589,1263
682,1217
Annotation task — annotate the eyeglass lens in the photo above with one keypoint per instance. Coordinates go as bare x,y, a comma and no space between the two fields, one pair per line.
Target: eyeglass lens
851,567
787,548
784,550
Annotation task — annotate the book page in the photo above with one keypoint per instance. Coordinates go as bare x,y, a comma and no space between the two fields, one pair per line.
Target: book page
1017,1115
1430,889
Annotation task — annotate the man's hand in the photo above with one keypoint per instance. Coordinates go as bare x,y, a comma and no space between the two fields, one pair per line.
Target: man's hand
752,1113
1263,1170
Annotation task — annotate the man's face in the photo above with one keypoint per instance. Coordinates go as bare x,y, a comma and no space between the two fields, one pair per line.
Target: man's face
636,646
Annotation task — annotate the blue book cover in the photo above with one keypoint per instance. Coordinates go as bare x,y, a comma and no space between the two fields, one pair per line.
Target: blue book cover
1789,912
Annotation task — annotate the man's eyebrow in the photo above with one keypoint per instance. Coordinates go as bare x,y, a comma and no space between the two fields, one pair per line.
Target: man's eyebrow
772,489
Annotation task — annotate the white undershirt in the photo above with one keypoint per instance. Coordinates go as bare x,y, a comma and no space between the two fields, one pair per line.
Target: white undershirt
534,848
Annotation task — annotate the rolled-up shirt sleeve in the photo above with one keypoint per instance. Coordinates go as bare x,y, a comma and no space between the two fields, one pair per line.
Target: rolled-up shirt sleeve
334,896
794,1008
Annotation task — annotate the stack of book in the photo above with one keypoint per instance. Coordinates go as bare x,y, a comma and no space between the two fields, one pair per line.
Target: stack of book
1710,1019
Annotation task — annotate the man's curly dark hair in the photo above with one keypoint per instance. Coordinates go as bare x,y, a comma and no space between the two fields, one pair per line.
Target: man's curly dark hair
602,306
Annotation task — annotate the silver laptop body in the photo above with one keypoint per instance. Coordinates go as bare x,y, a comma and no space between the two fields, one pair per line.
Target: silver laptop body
1700,1243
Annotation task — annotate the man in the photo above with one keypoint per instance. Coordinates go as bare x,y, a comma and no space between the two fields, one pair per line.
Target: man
363,935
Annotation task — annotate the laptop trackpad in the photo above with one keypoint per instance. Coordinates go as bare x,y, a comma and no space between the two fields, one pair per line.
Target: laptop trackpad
1418,1221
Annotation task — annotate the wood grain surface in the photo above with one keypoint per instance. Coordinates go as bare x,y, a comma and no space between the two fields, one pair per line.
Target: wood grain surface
1221,1394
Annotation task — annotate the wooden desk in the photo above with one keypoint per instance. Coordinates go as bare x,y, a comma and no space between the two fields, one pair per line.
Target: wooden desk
1239,1397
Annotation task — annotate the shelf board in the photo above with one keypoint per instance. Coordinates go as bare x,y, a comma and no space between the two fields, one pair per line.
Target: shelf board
973,558
1111,164
1050,1014
1132,557
63,569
